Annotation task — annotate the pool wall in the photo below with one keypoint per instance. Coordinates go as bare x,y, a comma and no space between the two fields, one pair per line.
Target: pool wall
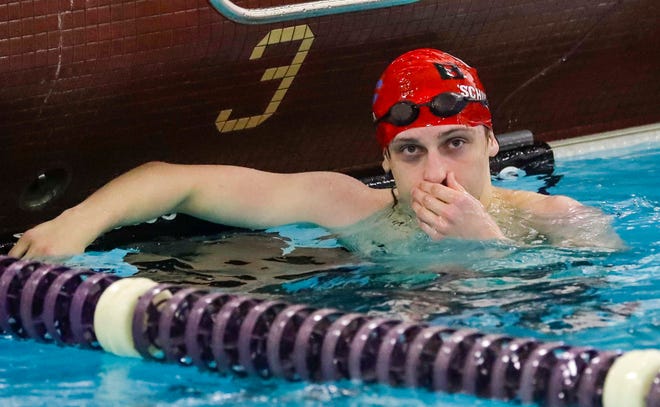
91,89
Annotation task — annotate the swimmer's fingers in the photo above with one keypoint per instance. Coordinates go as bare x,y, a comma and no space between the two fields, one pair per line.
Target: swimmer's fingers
432,223
438,191
430,231
429,206
464,218
19,249
29,246
450,192
48,239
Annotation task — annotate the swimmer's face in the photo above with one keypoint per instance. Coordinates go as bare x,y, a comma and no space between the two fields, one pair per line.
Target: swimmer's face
429,153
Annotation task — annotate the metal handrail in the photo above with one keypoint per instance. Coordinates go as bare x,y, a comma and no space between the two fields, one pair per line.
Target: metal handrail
296,11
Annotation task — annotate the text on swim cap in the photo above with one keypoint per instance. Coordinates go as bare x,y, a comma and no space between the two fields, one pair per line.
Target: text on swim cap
472,92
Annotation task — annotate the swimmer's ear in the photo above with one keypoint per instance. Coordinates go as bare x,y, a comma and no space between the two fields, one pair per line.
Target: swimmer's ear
493,145
386,160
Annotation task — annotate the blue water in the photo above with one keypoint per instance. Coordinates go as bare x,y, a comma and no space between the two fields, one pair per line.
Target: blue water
583,297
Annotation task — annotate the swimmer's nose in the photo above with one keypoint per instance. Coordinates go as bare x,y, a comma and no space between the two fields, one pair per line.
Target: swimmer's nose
434,169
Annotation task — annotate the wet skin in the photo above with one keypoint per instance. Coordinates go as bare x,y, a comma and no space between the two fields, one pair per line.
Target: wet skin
442,173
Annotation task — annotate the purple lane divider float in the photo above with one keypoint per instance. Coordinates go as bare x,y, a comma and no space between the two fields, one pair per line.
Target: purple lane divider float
248,336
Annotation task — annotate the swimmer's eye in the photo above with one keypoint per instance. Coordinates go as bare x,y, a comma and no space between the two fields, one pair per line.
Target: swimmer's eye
456,142
409,149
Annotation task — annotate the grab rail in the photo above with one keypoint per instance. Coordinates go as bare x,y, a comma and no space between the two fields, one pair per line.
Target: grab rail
302,10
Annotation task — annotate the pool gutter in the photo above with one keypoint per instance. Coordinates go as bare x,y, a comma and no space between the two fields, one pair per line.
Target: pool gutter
604,144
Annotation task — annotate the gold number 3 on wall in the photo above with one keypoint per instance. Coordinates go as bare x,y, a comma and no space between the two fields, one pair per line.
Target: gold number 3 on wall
287,73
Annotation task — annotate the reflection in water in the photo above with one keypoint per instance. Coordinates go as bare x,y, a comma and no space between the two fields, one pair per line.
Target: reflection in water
237,262
488,286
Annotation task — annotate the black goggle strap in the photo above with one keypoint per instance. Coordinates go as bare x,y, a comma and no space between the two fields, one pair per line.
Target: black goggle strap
443,105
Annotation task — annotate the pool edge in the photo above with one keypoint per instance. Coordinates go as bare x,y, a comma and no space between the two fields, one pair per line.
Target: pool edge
607,141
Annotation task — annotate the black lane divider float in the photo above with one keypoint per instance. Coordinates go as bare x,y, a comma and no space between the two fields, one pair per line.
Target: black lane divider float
223,332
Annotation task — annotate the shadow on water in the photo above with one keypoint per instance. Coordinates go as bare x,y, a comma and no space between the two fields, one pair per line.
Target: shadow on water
490,287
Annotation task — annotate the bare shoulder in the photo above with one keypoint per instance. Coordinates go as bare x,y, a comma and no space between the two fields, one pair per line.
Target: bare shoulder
539,204
340,200
564,221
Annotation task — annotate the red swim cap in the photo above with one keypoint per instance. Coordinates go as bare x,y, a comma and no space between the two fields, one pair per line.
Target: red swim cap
420,75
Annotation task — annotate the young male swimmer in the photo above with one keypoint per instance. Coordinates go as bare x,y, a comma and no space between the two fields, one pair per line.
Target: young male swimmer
434,126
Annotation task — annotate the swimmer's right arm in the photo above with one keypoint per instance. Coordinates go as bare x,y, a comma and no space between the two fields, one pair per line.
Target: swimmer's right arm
140,194
230,195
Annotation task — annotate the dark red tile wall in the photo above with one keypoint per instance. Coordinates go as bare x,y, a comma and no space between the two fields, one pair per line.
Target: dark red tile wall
97,87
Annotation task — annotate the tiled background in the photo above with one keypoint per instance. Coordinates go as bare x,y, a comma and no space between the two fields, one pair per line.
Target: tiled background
90,89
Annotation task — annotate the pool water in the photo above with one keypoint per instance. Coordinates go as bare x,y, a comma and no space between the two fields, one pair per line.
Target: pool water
608,300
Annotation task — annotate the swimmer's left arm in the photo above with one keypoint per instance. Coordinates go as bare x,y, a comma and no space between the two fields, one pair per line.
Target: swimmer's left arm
568,223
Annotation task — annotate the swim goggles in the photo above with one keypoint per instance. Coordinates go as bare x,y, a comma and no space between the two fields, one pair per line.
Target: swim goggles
443,105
